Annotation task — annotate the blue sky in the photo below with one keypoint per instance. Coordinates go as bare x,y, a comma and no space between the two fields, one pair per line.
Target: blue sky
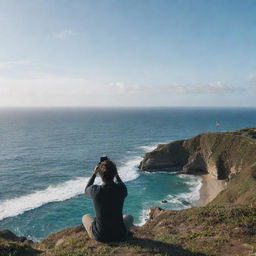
128,53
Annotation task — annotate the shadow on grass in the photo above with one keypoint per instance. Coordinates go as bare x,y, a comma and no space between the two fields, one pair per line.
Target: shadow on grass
157,247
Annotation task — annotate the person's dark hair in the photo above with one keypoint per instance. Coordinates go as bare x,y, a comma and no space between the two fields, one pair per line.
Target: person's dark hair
107,170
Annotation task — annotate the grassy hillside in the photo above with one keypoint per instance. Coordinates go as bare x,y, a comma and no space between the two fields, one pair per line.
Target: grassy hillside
210,230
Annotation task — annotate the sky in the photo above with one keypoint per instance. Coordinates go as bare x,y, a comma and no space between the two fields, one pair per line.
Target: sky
128,53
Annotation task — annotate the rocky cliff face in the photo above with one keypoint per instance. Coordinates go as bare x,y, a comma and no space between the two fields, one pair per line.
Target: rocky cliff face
223,155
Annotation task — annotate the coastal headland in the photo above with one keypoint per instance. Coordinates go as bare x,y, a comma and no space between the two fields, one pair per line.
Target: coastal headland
221,159
223,224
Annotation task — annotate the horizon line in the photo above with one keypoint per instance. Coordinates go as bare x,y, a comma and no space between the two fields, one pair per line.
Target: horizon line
134,106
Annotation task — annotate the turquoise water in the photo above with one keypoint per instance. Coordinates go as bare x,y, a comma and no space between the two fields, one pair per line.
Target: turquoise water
47,156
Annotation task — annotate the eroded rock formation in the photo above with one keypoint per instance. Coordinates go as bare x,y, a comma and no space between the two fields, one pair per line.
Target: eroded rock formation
222,154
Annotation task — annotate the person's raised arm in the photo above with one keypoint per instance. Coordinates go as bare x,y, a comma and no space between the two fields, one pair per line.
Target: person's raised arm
120,182
118,179
89,187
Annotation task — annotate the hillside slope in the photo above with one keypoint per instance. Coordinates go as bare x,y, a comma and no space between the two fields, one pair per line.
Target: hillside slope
198,231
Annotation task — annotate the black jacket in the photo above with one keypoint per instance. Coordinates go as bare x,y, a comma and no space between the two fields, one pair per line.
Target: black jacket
108,200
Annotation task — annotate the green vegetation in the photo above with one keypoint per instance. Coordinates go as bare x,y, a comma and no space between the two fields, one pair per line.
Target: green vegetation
209,230
11,248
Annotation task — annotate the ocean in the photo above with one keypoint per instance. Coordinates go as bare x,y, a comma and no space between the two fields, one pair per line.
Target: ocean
48,154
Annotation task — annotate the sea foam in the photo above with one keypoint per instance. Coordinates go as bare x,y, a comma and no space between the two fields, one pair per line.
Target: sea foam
148,148
188,199
151,147
144,216
60,192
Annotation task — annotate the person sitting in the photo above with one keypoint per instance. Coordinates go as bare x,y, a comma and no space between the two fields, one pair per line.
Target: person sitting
110,224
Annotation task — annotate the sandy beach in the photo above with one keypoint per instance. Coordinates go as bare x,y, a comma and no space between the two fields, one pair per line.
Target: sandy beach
211,187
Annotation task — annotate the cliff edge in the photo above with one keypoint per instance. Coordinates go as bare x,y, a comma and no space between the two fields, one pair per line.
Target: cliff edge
198,231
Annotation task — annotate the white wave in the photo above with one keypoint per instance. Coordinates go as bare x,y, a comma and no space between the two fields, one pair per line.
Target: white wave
195,183
144,216
129,171
161,172
180,201
148,148
173,199
60,192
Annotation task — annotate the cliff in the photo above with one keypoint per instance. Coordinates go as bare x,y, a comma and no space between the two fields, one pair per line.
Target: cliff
226,226
199,231
229,156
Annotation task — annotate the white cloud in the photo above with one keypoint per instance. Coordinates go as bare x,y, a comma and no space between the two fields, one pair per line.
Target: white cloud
207,88
43,91
15,63
63,34
56,90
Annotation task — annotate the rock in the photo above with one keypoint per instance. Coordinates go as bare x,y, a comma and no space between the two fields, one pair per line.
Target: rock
22,239
8,235
59,242
196,165
10,244
30,243
185,202
164,201
221,154
170,157
154,212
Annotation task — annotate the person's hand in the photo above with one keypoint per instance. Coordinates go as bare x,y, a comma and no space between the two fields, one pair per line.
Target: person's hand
96,169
